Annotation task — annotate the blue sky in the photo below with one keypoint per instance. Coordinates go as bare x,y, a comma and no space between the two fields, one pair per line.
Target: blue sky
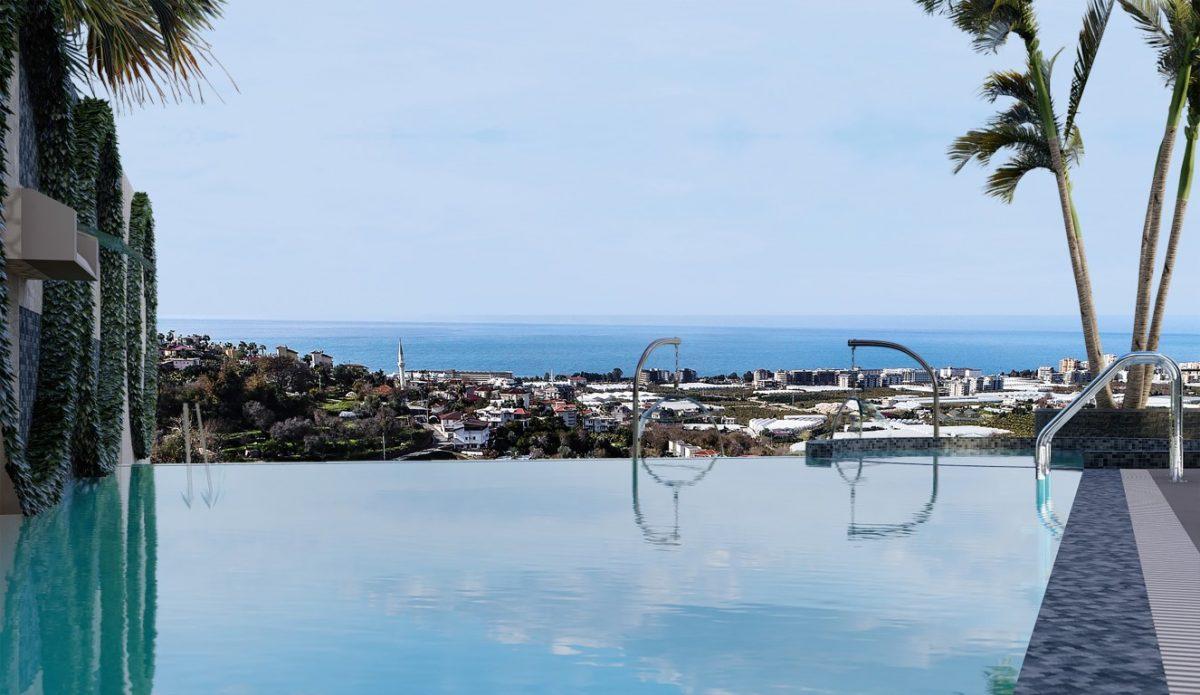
435,160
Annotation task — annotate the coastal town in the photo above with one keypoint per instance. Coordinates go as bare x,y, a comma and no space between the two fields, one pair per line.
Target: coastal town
279,404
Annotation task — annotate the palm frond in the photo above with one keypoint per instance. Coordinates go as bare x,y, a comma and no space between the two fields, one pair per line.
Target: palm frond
1147,15
988,22
1072,151
1180,15
143,49
1002,183
992,35
1009,84
1019,113
119,46
1022,17
984,143
1095,21
935,6
180,24
1168,26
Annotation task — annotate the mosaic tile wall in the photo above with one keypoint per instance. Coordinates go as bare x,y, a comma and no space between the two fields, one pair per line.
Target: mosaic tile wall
824,448
1097,452
1152,423
30,349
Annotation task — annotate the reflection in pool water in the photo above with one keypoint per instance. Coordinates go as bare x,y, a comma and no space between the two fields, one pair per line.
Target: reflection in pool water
80,591
886,530
735,575
673,474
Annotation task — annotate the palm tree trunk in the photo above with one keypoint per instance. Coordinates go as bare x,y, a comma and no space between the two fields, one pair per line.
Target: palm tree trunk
1139,377
1079,268
1083,282
1181,203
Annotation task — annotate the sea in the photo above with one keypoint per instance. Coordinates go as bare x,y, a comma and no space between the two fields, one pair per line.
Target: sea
535,346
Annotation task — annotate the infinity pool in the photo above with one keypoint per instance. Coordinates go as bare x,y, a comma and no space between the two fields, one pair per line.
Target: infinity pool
749,575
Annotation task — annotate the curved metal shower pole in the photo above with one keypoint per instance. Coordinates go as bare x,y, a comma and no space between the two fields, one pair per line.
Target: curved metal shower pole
1045,438
635,448
937,407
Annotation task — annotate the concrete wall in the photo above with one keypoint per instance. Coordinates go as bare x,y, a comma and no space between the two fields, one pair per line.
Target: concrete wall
126,456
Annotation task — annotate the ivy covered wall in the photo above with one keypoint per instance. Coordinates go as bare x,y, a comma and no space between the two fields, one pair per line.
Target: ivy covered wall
98,439
89,131
142,301
82,383
33,498
66,305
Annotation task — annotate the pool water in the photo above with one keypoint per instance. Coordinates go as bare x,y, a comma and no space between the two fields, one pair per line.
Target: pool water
739,575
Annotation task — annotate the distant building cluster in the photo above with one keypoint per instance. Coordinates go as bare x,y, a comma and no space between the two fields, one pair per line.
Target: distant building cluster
465,409
666,376
186,351
1072,371
959,381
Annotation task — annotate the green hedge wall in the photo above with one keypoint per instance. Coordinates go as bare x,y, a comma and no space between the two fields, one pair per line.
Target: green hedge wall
110,207
33,497
88,132
135,346
77,414
66,305
98,428
141,226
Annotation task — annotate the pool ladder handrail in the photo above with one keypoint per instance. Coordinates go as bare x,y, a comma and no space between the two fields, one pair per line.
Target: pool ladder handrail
635,448
1045,438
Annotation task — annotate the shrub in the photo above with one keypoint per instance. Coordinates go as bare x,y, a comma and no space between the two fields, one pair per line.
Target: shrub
259,415
292,429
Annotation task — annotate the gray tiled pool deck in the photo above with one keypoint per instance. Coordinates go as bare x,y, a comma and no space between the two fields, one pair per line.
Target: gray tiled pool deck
1184,499
1121,612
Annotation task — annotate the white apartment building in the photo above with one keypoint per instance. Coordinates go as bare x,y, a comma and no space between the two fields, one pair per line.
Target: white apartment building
320,359
1191,372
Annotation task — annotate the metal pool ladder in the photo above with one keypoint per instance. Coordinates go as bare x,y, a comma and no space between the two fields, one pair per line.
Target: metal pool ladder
1045,438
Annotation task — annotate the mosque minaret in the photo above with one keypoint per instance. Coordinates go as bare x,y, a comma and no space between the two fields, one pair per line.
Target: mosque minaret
401,377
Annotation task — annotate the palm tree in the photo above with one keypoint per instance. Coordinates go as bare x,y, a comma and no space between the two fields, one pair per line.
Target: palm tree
143,49
1029,130
1181,203
1173,28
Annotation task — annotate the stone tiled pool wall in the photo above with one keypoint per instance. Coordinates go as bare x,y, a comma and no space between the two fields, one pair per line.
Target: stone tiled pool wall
826,448
1151,423
1096,451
